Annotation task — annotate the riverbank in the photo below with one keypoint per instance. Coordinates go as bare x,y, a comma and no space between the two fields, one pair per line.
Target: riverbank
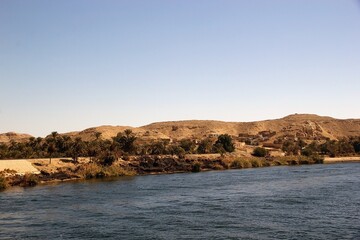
34,171
341,159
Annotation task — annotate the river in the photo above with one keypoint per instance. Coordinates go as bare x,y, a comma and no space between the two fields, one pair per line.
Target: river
300,202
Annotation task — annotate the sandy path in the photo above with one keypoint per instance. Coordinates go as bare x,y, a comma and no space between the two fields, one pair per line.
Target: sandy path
21,166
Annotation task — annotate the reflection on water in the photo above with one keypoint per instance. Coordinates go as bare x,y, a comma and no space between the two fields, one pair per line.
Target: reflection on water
303,202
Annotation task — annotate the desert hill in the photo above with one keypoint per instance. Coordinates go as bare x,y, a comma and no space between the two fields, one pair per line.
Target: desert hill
299,125
16,137
305,126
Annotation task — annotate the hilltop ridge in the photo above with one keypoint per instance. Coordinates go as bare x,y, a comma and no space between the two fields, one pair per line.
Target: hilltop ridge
307,126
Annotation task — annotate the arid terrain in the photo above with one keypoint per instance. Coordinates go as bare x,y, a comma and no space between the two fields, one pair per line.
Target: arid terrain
168,147
305,126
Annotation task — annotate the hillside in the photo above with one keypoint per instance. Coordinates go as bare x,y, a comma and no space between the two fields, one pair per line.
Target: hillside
16,137
305,126
298,125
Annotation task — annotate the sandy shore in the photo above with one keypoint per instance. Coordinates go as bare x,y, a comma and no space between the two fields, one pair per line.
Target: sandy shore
21,166
341,159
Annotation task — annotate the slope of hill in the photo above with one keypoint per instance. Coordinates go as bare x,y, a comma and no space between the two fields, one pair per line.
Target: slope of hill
305,126
11,136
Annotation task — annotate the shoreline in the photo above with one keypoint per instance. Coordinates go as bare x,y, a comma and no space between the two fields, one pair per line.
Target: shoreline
62,170
328,160
42,171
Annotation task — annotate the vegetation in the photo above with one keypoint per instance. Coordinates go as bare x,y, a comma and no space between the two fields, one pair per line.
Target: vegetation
224,143
332,148
4,182
259,152
93,170
196,167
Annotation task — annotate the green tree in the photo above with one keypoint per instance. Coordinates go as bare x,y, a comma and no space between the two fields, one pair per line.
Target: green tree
225,141
290,147
330,148
51,149
356,144
77,148
158,148
126,141
310,150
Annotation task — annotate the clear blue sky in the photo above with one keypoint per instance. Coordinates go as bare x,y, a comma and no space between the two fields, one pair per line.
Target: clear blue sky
72,64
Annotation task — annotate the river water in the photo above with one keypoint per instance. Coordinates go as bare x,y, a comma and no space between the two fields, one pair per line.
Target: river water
301,202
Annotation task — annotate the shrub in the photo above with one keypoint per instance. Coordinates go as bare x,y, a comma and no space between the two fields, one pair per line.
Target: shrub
88,171
259,152
29,180
93,170
4,183
196,167
240,163
108,160
256,163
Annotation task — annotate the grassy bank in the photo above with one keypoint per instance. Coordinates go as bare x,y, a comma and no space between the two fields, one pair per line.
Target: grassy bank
158,164
254,162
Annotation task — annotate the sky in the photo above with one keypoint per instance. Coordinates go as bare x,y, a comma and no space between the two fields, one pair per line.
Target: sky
68,65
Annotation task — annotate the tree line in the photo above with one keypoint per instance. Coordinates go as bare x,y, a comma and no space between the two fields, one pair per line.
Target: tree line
123,144
127,143
332,148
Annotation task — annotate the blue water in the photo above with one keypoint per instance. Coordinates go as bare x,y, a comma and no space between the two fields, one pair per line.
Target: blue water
301,202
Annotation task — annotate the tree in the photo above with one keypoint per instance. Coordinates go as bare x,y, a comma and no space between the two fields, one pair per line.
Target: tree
188,145
290,147
331,148
157,148
205,146
93,149
77,148
126,141
177,150
356,144
345,147
51,149
225,141
54,134
311,149
97,135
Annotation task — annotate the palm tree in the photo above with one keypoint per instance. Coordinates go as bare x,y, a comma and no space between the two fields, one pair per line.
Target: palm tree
126,141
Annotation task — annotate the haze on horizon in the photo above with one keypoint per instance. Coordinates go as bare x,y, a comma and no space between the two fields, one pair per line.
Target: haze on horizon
69,65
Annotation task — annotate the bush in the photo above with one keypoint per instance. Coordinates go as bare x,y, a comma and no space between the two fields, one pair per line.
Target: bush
256,163
93,170
196,167
259,152
240,163
4,183
88,171
108,160
29,180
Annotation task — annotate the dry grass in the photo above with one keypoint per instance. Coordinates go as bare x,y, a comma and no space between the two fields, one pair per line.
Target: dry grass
93,170
249,162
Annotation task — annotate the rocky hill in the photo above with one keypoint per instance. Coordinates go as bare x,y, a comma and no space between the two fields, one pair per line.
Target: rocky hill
305,126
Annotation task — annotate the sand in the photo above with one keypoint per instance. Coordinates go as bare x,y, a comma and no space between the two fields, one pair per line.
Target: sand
341,159
21,166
